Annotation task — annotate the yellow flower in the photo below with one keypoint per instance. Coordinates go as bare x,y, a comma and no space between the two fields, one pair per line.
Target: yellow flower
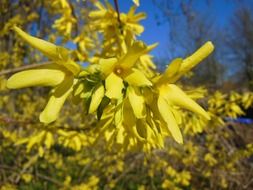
170,95
116,70
60,75
57,54
118,30
105,19
145,111
178,67
136,2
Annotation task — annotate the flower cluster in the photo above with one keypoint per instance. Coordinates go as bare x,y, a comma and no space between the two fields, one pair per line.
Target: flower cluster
135,110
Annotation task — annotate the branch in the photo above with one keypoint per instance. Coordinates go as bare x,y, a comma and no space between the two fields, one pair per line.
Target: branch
75,17
5,167
52,180
117,10
32,66
6,120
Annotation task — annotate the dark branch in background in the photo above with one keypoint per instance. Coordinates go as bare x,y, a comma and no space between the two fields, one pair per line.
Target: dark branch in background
47,178
32,66
118,14
117,10
6,120
75,17
40,16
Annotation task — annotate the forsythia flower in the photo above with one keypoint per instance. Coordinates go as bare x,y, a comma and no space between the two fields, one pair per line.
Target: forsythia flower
117,70
106,21
66,22
136,107
170,95
60,75
146,110
135,111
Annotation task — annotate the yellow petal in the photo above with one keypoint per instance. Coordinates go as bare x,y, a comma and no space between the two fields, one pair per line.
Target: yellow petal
134,52
120,135
165,111
99,5
197,57
137,78
146,131
151,47
97,14
50,50
77,143
177,115
56,101
157,139
136,28
136,2
176,96
114,86
107,65
146,60
96,98
179,67
49,140
70,65
118,113
134,131
137,102
129,119
135,17
45,75
171,74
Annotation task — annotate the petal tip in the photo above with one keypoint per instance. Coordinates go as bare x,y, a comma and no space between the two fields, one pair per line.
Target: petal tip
207,116
46,119
180,140
210,44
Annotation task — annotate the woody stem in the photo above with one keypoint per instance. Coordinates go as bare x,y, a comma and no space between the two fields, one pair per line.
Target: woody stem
117,10
21,68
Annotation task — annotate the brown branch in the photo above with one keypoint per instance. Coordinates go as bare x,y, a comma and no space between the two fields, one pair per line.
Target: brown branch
32,66
75,17
5,167
56,182
26,166
117,10
6,120
129,168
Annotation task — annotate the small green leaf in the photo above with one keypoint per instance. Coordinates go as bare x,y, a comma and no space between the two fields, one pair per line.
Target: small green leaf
105,101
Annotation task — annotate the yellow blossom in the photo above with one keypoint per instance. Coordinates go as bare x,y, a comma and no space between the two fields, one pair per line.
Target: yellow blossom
169,95
116,70
60,75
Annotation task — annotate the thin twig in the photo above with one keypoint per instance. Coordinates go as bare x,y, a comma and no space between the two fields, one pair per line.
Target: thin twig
117,10
26,166
129,168
56,182
25,123
75,17
32,66
5,167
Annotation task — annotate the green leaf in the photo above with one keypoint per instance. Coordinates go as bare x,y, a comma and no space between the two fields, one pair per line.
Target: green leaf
105,101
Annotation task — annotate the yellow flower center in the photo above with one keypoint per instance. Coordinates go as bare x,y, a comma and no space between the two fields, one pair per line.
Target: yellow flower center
118,70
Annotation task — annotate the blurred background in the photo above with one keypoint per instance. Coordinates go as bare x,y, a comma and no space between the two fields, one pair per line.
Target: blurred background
180,27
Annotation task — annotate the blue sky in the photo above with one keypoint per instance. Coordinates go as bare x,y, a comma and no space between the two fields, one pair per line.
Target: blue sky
219,11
